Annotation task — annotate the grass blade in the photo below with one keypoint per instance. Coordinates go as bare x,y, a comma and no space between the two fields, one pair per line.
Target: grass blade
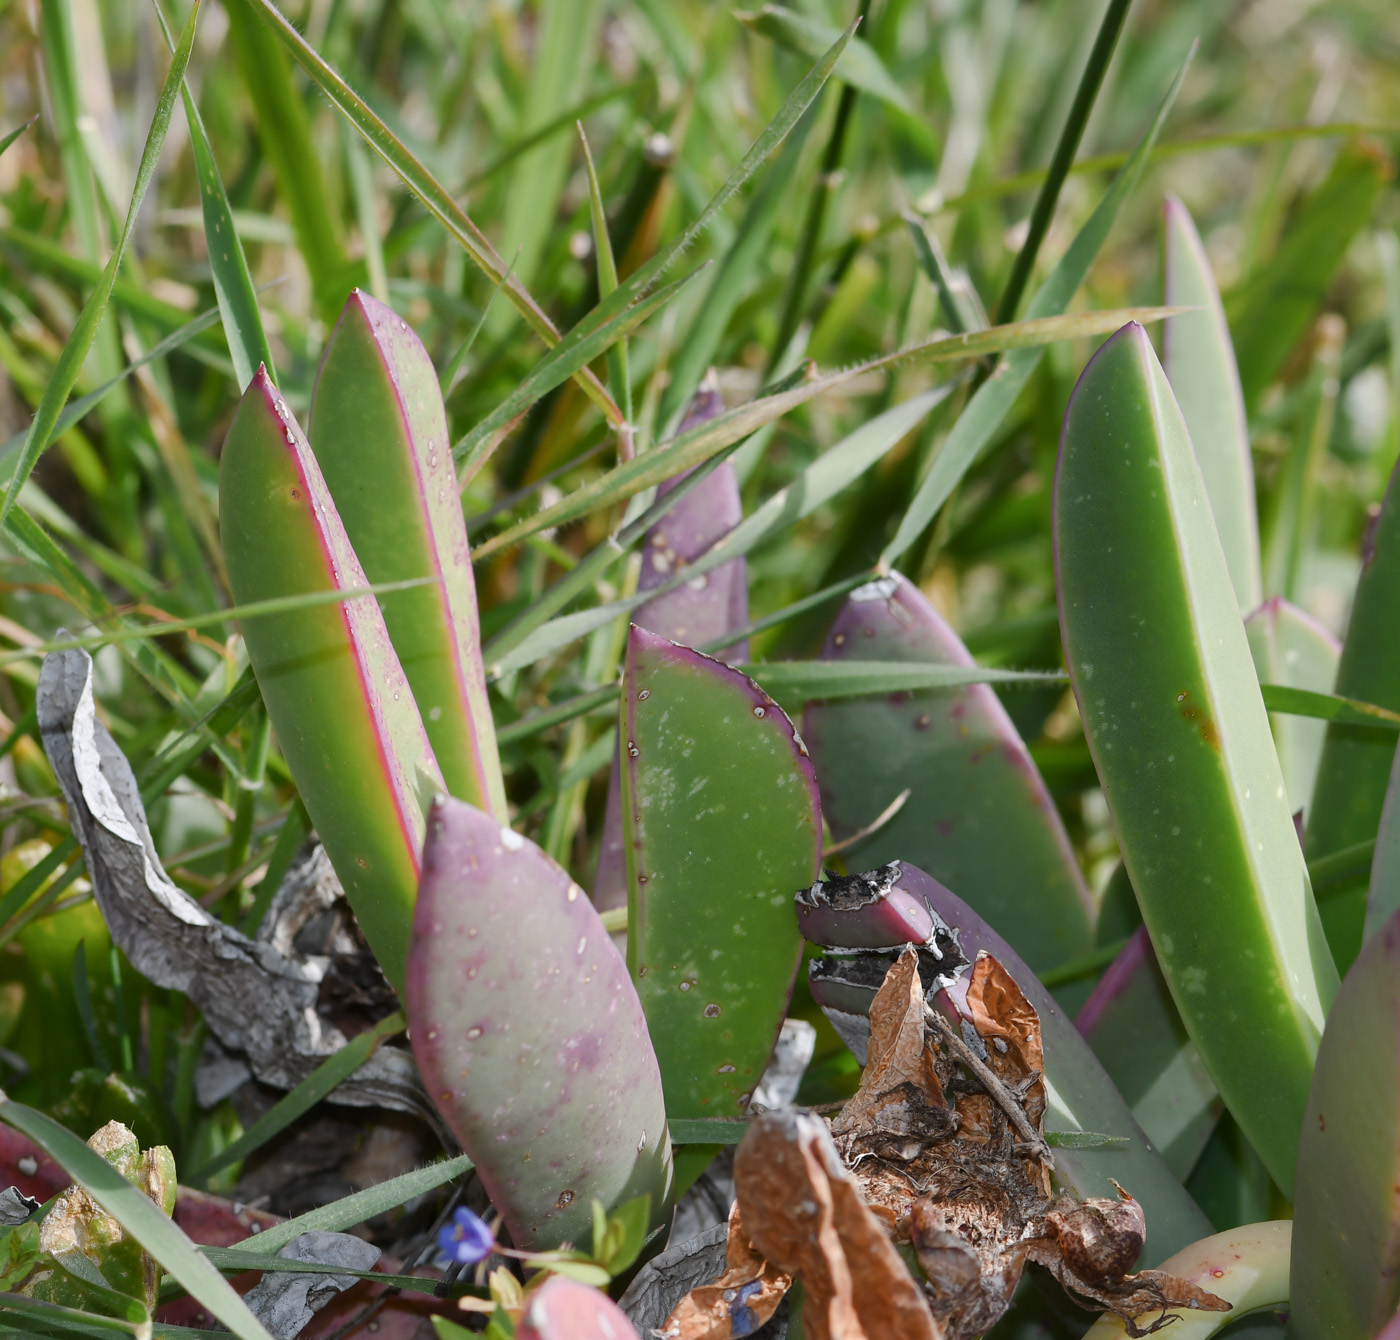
19,130
699,444
1328,707
138,1215
286,142
75,410
355,1209
576,350
75,351
320,1082
425,186
618,380
1068,145
986,410
233,285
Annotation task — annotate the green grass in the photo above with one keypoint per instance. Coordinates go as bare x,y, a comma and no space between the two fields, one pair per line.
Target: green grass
428,152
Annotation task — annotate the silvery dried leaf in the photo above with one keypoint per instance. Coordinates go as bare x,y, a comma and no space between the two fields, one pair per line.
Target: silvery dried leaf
666,1279
285,1301
15,1206
257,1000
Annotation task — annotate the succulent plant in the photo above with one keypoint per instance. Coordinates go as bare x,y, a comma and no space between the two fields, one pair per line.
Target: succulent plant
588,1086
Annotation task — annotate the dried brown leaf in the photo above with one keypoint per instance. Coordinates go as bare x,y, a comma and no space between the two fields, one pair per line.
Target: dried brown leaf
900,1095
738,1302
1090,1247
804,1213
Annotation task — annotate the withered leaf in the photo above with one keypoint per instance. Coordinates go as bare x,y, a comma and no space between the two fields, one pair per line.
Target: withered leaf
806,1215
1091,1246
738,1302
900,1100
258,1001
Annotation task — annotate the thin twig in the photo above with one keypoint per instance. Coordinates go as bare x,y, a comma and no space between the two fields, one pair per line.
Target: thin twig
873,826
995,1087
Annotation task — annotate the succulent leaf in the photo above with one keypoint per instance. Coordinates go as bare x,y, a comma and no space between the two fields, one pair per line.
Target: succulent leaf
338,698
978,816
1135,1031
722,823
379,431
1354,770
1346,1208
1291,648
529,1035
1176,724
1199,361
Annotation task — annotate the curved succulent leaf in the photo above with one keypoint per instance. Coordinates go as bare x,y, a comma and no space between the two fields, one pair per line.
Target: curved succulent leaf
1291,648
722,823
1177,728
528,1034
338,698
1346,1209
379,432
1383,896
1199,361
1135,1031
1356,760
978,816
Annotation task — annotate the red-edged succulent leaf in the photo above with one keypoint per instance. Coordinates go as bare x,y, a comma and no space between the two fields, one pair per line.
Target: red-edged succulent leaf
340,703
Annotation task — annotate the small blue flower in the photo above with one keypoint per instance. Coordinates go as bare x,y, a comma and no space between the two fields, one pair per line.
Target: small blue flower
467,1239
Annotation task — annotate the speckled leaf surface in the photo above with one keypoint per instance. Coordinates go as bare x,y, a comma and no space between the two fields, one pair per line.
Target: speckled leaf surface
1132,1025
339,700
1346,1211
722,825
529,1035
978,816
1199,361
380,435
1290,647
1177,728
1355,767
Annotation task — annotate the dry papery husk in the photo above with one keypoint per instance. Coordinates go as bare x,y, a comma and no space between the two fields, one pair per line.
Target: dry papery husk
939,1159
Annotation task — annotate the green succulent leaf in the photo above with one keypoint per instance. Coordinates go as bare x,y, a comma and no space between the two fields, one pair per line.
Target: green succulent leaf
1199,361
722,824
1137,1034
379,431
979,817
1346,1210
1176,724
1356,760
1292,651
528,1034
335,691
